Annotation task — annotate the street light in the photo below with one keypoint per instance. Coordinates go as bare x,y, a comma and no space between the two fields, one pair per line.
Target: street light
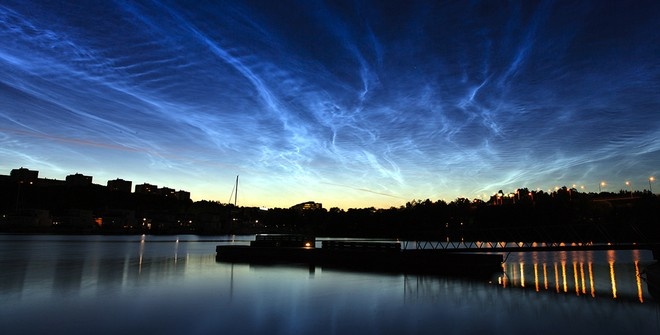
629,187
602,184
651,179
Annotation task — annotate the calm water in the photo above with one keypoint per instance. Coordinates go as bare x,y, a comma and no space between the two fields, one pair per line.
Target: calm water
173,285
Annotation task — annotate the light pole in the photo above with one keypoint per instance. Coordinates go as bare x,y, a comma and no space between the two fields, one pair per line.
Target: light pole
651,179
602,184
629,188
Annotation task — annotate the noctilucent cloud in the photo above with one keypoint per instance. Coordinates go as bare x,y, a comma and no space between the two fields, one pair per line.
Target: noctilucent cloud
348,103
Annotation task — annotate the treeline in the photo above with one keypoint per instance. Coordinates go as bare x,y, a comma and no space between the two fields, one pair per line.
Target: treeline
565,215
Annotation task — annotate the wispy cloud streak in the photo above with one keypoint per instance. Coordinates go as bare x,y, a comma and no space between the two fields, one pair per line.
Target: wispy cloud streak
396,100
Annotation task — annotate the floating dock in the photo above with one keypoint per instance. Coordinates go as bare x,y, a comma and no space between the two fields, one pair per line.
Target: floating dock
381,256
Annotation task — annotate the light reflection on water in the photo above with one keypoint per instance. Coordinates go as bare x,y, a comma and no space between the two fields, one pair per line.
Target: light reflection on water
603,274
169,284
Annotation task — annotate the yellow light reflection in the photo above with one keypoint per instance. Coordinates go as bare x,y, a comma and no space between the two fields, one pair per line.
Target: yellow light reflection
591,280
503,280
576,279
611,256
583,276
536,276
613,279
514,275
556,277
640,294
563,276
584,286
505,277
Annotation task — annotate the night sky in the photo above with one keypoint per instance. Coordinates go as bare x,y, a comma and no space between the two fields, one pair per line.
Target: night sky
348,103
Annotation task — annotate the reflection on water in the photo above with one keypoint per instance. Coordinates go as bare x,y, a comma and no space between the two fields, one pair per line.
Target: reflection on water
56,265
613,274
168,285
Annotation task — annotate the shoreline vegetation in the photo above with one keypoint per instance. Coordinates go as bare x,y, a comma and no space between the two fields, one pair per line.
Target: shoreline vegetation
565,215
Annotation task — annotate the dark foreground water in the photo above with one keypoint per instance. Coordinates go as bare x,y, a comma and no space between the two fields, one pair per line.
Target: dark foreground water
173,285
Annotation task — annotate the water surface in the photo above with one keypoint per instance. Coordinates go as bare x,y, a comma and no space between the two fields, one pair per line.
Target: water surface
173,285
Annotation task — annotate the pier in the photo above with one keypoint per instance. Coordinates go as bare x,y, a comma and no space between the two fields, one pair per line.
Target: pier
359,255
481,259
507,247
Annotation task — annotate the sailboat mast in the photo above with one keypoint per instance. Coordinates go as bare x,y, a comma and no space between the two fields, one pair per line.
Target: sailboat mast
236,193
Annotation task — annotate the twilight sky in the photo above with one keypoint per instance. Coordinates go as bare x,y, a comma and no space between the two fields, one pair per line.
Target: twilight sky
348,103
